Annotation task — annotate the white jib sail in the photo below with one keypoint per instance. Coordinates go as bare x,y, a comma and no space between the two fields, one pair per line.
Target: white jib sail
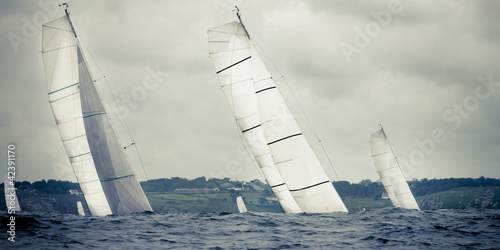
390,172
292,155
80,208
241,204
10,196
101,168
229,50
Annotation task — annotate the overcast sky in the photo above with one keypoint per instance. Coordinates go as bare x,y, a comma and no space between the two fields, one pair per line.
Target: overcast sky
427,70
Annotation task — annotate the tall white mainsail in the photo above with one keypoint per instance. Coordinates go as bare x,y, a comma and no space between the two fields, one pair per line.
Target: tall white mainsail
101,168
390,172
241,204
259,108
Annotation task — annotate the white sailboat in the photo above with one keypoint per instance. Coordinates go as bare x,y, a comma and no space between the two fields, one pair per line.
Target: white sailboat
241,204
389,170
11,200
267,124
106,178
79,205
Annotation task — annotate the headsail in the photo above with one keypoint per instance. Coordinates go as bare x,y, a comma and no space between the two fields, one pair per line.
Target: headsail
238,63
390,172
241,204
101,168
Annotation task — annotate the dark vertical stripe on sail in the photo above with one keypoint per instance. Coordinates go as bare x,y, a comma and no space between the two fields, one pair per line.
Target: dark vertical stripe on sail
273,87
290,136
246,130
304,188
233,64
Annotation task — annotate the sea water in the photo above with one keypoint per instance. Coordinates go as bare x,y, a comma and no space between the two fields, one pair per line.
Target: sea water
379,228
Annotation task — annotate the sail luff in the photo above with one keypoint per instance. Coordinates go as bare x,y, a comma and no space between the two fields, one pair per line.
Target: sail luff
390,173
229,50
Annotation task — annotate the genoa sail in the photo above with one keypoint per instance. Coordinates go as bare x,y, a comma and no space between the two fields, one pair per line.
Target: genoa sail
100,165
389,170
241,204
260,109
10,196
79,205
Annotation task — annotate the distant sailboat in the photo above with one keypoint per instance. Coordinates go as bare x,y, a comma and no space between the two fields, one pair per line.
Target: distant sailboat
80,208
241,204
390,172
10,197
100,165
268,126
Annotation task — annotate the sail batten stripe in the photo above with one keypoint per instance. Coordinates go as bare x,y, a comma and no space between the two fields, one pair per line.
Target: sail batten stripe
254,127
63,88
69,46
59,99
71,157
103,113
236,63
46,26
304,188
117,178
277,185
273,87
284,138
72,138
379,154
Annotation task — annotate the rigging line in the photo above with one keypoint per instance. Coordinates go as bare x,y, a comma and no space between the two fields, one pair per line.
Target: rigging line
395,157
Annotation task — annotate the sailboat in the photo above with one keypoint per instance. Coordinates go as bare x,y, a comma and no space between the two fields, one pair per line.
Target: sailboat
241,204
389,170
11,200
267,125
79,205
106,178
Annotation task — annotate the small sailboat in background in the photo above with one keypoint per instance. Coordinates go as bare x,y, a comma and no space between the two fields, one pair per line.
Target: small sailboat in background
11,200
241,204
389,170
106,178
267,125
80,208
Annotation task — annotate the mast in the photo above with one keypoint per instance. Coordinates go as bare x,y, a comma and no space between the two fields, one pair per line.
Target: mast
239,18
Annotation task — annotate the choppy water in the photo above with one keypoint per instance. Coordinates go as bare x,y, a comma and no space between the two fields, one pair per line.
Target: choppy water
393,228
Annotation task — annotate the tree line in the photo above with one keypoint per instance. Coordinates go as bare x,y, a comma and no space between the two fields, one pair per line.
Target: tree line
363,189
